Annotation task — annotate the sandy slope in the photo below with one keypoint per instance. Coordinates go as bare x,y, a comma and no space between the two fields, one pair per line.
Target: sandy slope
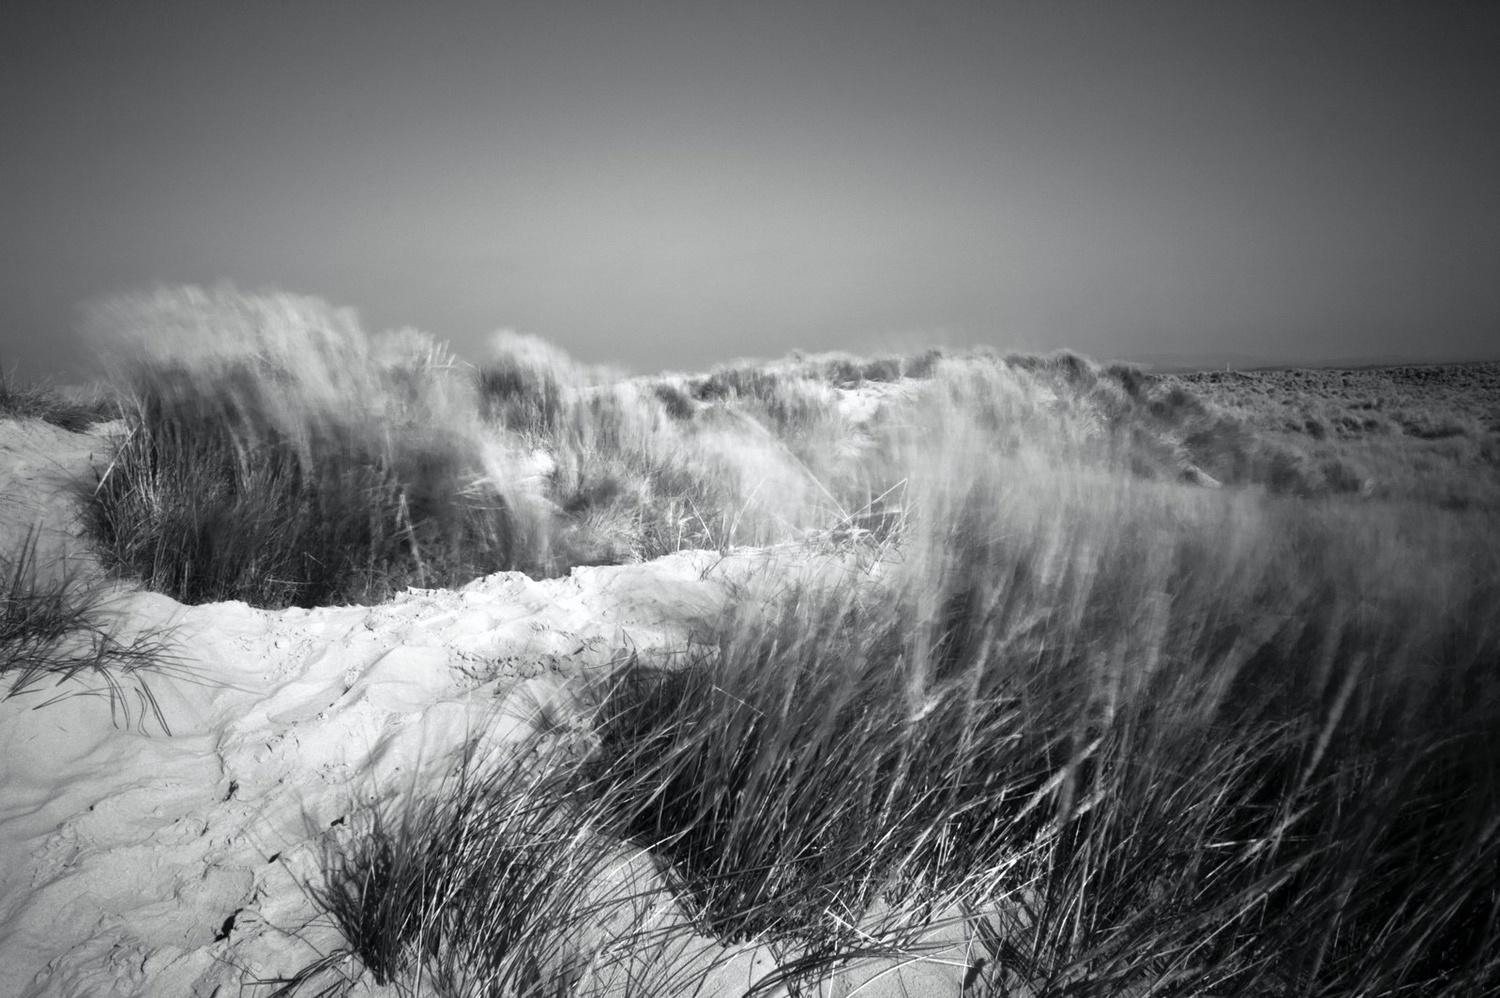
38,464
136,863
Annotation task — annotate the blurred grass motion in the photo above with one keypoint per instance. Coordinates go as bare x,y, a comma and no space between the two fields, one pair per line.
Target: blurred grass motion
278,454
275,454
1159,739
1423,434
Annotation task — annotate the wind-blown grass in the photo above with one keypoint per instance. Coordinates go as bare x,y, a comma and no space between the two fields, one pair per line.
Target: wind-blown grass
1424,434
1148,737
55,642
1167,738
275,454
34,401
634,472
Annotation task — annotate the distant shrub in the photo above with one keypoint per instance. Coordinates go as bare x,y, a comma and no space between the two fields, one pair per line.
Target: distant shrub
724,484
736,383
1115,406
799,410
524,386
921,365
838,370
1130,377
791,407
1352,425
1342,476
1176,404
1023,402
1430,426
1073,368
519,399
631,483
1290,471
675,399
881,369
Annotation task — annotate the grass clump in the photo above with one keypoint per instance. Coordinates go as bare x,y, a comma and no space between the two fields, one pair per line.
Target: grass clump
527,383
276,455
630,470
812,802
675,399
495,882
22,401
55,642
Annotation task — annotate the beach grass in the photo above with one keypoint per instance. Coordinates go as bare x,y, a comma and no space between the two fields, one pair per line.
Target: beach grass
57,641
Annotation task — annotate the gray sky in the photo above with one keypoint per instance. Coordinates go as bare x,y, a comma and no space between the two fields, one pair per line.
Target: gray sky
671,185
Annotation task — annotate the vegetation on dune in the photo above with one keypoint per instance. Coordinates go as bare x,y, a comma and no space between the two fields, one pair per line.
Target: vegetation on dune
526,383
636,469
1159,740
35,401
1143,735
1424,434
1147,738
500,880
675,400
479,886
56,642
275,455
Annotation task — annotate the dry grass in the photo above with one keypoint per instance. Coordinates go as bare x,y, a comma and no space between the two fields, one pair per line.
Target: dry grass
275,454
40,401
1152,738
56,641
1425,434
1179,741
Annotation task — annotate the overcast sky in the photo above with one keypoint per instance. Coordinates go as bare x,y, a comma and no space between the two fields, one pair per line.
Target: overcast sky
672,185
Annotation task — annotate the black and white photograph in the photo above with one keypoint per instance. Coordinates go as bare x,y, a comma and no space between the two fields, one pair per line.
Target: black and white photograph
755,499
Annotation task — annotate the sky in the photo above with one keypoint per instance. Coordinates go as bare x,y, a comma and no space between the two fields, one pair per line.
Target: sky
668,186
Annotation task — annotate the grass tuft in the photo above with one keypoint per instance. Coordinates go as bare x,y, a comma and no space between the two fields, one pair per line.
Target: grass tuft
18,401
282,458
495,882
55,643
